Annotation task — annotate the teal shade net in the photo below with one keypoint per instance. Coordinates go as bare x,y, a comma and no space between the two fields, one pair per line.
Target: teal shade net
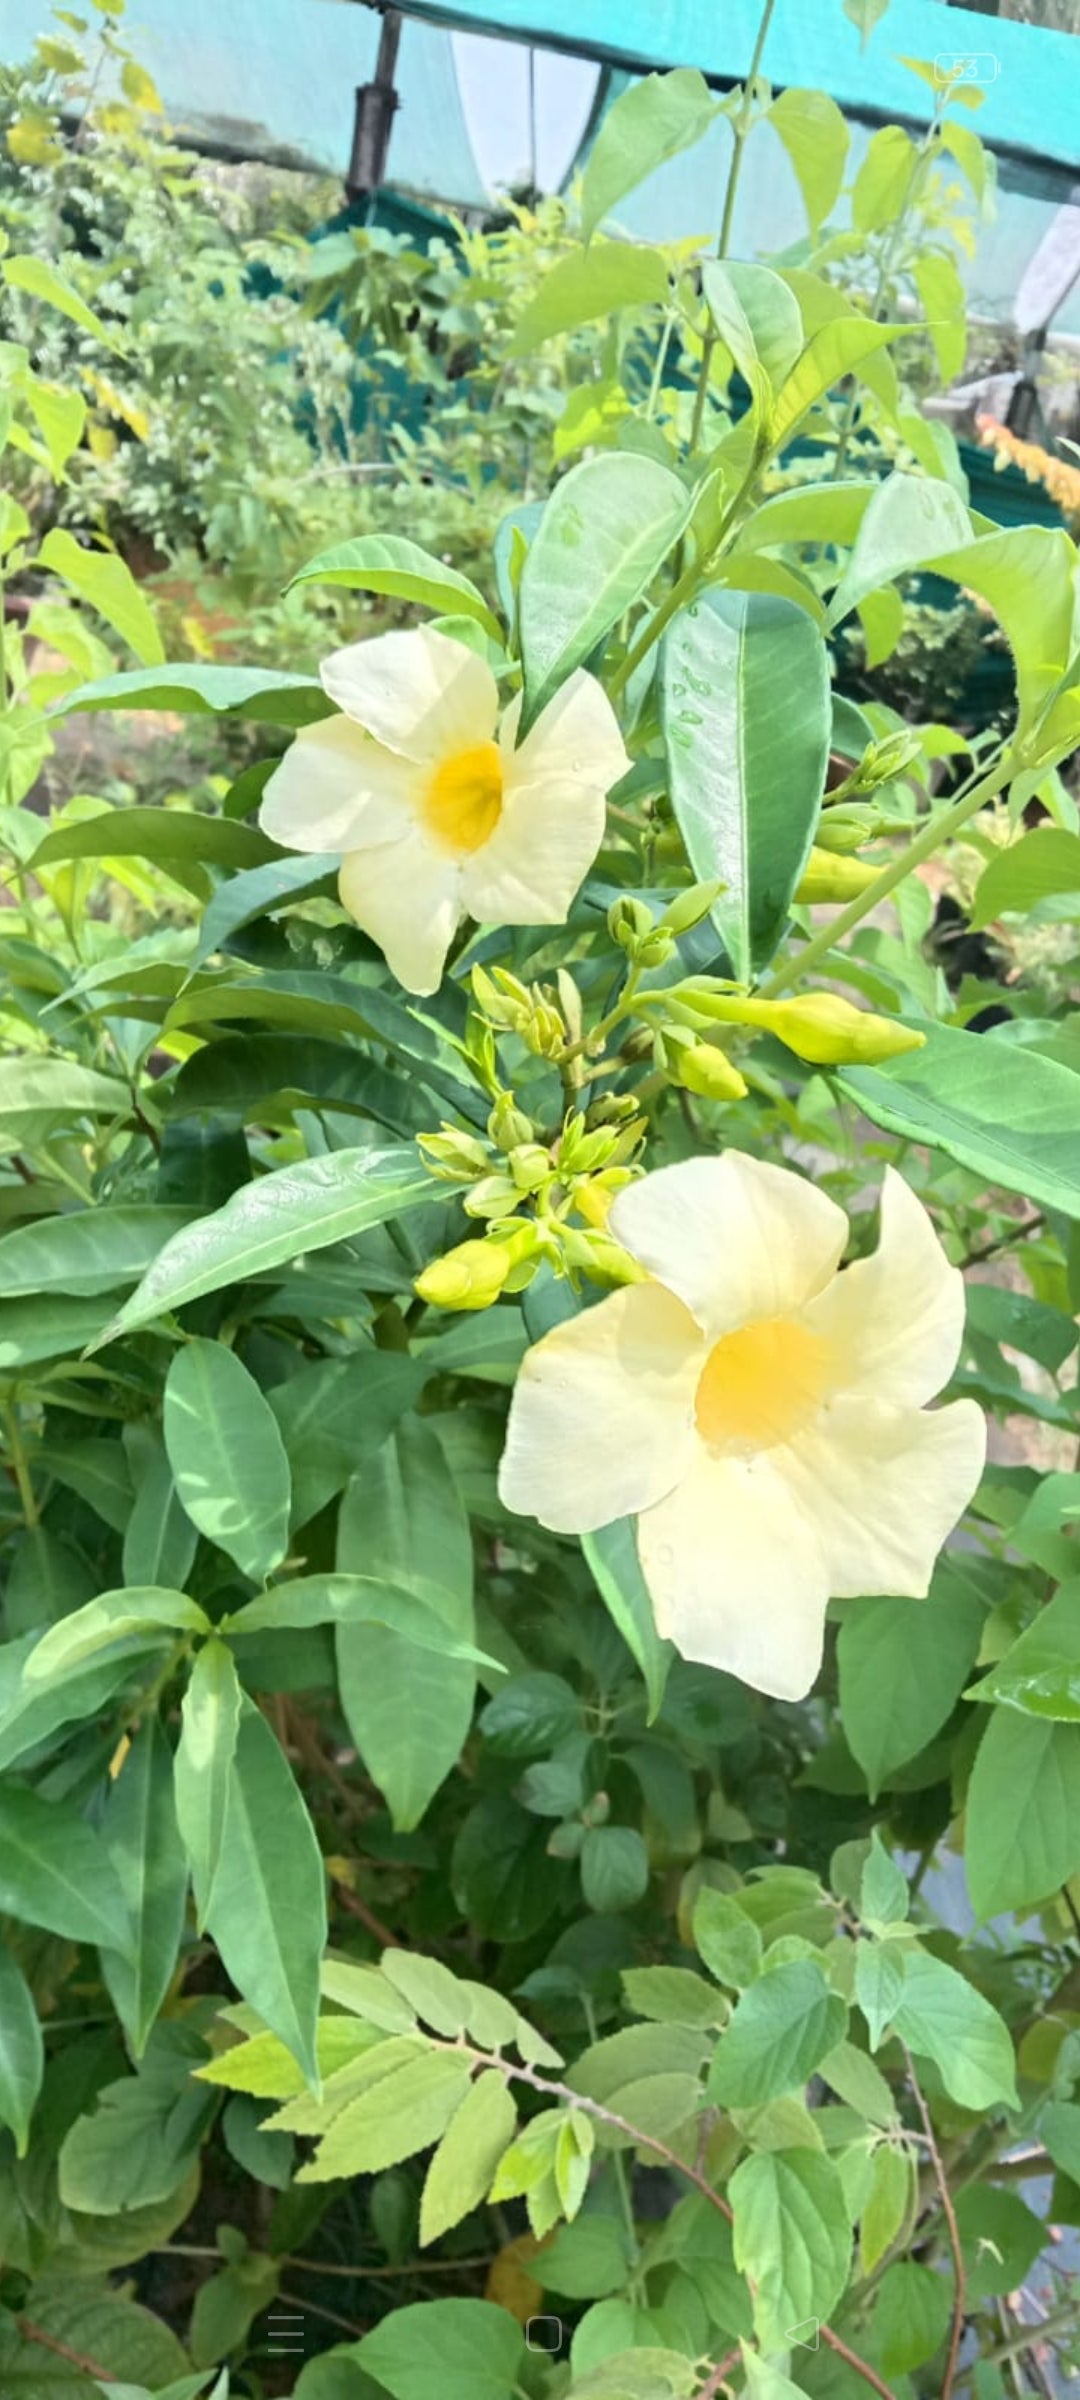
275,79
1032,106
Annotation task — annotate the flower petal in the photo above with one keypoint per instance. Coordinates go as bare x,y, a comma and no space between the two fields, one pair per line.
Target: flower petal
737,1576
735,1238
895,1320
335,787
420,693
539,854
407,896
575,739
601,1422
884,1487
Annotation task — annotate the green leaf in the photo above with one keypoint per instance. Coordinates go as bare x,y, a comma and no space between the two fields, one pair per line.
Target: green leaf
909,520
400,2113
44,282
591,283
941,291
378,562
1038,866
112,1617
403,1522
162,834
86,2316
56,1872
844,345
942,2017
746,778
159,1540
792,2238
883,1898
36,1092
757,316
1001,2239
92,1250
1040,1673
883,183
727,1939
605,531
143,1841
463,2167
614,1868
203,1765
266,1907
227,1456
31,1330
265,694
587,2260
1027,574
227,2303
815,135
865,14
612,1559
879,1985
101,578
1016,1856
1058,2129
912,2316
531,1715
445,2350
142,2138
885,2208
260,892
651,121
673,1996
60,418
354,1602
782,2028
903,1665
1010,1114
281,1217
22,2051
335,1413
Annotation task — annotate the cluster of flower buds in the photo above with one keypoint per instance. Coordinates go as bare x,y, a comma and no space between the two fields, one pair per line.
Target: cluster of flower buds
529,1202
510,1006
649,941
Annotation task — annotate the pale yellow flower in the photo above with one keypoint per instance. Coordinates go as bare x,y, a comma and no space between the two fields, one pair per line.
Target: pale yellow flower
437,811
759,1412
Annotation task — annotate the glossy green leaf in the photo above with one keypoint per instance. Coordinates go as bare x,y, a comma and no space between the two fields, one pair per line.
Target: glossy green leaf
355,1603
22,2051
92,1250
1040,1673
757,316
143,1841
280,1218
266,694
746,777
1039,866
596,282
36,1092
607,528
1027,573
782,2028
653,119
403,1522
1019,1856
112,1617
1010,1113
160,1540
815,135
55,1871
227,1455
942,2017
266,1906
378,562
335,1412
260,892
202,1768
102,579
156,833
909,520
792,2238
613,1563
903,1665
845,345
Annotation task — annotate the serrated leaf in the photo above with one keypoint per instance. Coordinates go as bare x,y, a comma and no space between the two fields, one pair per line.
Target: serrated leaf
781,2030
401,2114
1017,1857
792,2238
942,2017
464,2164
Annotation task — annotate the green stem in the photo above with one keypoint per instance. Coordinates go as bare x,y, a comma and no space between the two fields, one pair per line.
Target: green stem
20,1465
937,830
1065,2321
888,259
742,127
662,347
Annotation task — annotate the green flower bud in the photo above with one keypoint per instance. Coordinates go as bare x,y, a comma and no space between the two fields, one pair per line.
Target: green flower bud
827,878
629,921
689,907
508,1125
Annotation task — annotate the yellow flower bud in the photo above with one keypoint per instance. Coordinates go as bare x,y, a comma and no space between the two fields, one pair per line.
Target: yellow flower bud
829,1032
829,877
454,1157
508,1125
707,1070
472,1276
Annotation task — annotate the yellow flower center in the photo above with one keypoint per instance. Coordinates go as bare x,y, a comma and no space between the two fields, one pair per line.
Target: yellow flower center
760,1385
463,802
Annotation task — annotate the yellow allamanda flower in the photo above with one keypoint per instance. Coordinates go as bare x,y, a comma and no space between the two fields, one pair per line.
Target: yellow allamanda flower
760,1413
439,812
